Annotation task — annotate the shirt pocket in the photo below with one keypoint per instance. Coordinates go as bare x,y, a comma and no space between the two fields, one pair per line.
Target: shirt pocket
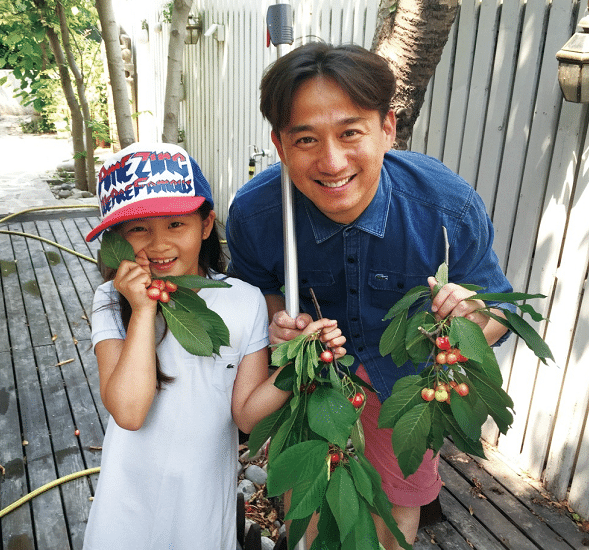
322,283
225,371
386,288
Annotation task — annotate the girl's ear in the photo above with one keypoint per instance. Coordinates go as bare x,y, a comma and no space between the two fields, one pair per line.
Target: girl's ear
207,225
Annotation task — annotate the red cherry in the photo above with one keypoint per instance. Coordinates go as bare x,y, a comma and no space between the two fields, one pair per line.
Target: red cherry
326,356
427,394
441,358
170,286
158,283
462,389
357,400
451,357
164,297
443,343
154,293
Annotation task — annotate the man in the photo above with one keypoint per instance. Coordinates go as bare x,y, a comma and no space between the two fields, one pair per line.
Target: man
369,225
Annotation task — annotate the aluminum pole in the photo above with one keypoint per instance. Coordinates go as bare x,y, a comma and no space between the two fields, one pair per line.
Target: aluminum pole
279,22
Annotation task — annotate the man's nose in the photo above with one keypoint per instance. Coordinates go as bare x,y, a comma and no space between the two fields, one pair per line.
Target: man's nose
332,158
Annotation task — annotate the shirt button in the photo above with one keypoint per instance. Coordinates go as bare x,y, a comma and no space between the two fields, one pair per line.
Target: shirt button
356,336
353,291
361,348
351,259
354,319
400,285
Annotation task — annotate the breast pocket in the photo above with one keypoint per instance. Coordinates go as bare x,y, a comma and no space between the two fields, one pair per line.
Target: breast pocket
322,283
225,371
388,287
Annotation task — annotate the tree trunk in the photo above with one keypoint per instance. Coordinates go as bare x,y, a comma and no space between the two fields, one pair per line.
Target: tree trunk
412,38
174,75
65,39
116,71
74,106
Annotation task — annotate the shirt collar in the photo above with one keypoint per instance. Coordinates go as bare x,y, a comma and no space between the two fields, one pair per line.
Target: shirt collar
373,220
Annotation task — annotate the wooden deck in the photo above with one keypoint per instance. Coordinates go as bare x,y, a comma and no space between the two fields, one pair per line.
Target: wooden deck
49,389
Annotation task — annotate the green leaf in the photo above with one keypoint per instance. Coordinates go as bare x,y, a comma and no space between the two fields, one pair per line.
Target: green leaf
285,379
464,443
328,533
410,297
346,360
438,429
280,355
357,436
466,417
527,308
331,415
363,536
295,465
442,274
407,381
495,398
196,281
418,345
362,480
114,249
307,495
343,501
470,337
188,330
532,339
392,340
398,404
410,438
506,297
266,428
297,530
488,367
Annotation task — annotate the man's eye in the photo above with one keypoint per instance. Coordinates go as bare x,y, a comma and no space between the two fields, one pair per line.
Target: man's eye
350,133
305,140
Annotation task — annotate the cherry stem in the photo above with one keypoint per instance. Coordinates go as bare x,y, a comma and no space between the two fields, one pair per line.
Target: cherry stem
430,335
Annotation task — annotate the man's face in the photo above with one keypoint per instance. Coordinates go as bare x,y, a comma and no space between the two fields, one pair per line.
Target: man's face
334,149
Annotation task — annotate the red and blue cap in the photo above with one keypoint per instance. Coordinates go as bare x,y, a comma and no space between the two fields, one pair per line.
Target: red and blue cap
146,181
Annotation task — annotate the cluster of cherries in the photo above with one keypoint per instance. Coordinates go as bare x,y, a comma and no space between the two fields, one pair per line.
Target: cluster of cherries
446,356
160,290
335,457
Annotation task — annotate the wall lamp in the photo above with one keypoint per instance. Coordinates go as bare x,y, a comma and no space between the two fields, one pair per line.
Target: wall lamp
573,65
216,30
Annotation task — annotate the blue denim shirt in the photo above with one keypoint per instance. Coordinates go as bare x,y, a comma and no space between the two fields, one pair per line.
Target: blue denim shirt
358,271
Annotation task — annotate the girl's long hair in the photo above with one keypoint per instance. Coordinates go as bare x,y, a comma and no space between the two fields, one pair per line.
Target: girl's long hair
211,260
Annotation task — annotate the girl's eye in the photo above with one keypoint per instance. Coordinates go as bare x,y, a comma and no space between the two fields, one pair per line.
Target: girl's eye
176,224
135,229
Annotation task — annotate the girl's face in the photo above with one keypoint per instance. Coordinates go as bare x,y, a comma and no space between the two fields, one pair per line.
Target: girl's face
171,243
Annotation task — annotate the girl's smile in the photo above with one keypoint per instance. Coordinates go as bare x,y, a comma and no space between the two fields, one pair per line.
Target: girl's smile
171,243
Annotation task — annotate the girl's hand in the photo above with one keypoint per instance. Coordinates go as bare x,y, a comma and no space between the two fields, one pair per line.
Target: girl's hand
330,335
450,302
132,280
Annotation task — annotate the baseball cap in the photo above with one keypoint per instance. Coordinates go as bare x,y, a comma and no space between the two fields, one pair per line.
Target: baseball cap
148,180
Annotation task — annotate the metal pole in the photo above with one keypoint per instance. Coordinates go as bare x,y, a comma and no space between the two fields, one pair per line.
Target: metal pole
279,21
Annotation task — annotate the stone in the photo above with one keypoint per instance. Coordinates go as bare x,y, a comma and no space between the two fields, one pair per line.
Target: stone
256,474
247,488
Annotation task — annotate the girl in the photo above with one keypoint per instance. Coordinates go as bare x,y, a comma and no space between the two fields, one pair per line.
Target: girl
169,459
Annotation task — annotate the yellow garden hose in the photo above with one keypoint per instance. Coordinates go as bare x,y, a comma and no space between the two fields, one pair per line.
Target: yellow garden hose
46,487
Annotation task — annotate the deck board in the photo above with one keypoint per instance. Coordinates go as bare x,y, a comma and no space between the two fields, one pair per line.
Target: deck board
49,387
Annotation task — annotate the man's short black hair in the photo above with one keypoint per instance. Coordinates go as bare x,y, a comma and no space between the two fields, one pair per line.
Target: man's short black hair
366,78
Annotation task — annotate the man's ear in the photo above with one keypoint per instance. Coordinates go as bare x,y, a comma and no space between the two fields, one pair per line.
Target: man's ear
278,144
389,127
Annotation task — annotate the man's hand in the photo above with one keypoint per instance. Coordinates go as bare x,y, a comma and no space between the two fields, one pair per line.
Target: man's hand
450,301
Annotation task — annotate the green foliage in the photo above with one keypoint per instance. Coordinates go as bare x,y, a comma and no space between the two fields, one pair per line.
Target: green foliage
419,424
198,329
309,452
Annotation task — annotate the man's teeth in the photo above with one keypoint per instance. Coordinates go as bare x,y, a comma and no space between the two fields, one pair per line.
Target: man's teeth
334,184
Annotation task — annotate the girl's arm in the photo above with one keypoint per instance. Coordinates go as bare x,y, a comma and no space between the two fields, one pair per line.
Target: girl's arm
254,394
127,367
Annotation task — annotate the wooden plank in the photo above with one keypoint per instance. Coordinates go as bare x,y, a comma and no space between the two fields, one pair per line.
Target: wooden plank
34,312
425,540
482,510
518,126
5,253
499,101
490,489
578,493
69,300
89,249
480,84
40,464
531,493
471,530
16,527
459,98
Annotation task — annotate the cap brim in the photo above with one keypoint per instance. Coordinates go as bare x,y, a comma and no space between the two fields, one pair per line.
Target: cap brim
148,208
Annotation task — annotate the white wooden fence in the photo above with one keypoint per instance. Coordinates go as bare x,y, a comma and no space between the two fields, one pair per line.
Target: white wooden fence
494,114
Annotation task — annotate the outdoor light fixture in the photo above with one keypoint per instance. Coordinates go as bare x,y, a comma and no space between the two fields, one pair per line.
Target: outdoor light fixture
216,30
573,65
193,29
